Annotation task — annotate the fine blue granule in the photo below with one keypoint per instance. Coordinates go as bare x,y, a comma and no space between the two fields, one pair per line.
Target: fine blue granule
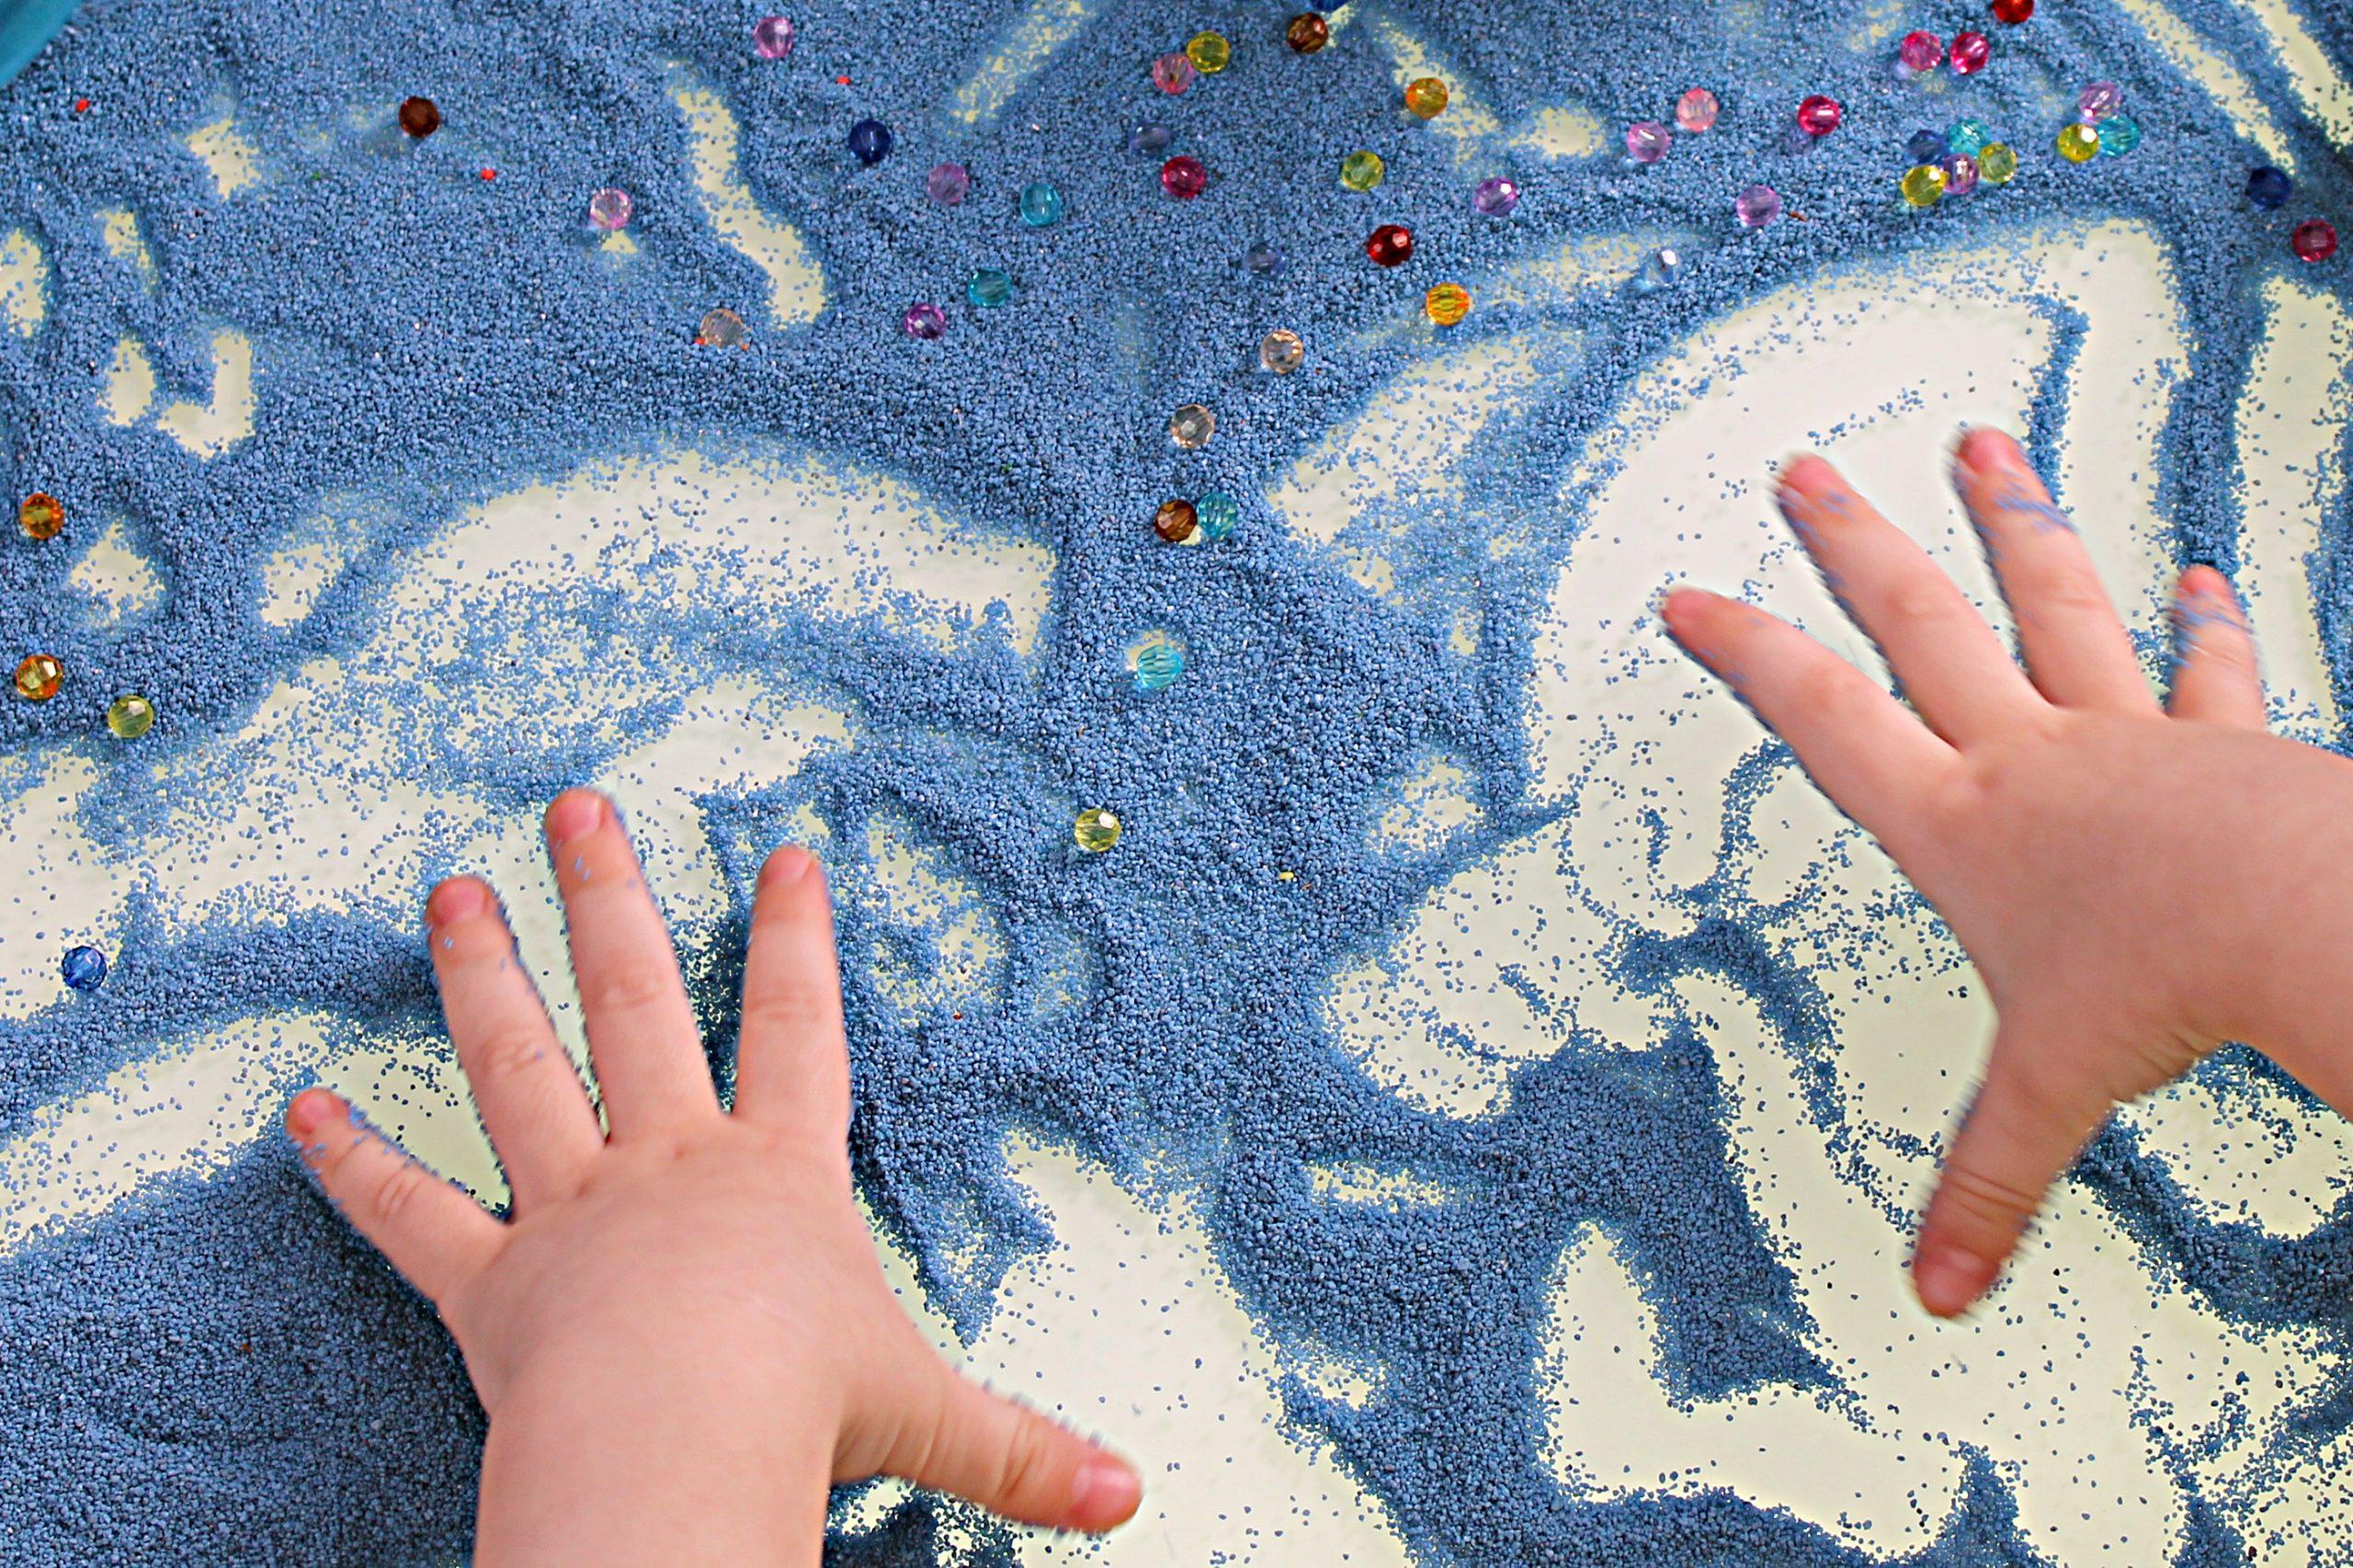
426,339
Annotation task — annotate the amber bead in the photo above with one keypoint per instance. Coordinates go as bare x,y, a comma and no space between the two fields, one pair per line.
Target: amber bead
39,675
41,515
1175,521
1426,98
1308,33
419,116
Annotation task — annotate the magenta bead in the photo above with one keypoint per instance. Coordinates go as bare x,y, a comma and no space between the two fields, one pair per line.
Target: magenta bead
1757,206
772,37
923,320
1819,116
1920,51
2315,240
1695,110
1184,177
1970,52
1960,173
611,209
1172,72
1646,140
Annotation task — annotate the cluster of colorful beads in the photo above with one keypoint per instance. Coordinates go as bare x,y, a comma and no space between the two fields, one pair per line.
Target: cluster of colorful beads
2101,128
1954,162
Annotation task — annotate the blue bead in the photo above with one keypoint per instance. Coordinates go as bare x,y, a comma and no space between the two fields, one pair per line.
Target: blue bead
870,140
1219,515
1263,259
2267,187
84,969
2118,134
1925,146
1041,205
1150,136
989,289
1660,268
1968,138
1155,660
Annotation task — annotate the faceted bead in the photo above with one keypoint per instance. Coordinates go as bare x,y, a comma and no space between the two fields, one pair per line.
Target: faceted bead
1661,268
84,968
2078,142
2268,187
1920,51
1426,98
1209,52
1042,204
1220,514
772,38
1155,660
42,516
1281,351
869,139
611,209
923,320
2099,100
419,116
1998,164
1819,115
1757,206
1173,73
2013,12
1391,244
989,287
947,184
1307,33
2118,134
1646,140
1192,426
129,716
1925,146
1096,829
1262,259
2315,240
1924,185
1960,173
723,328
1496,197
1968,138
1446,303
1695,110
1970,51
1361,170
1184,177
1175,521
1150,137
41,675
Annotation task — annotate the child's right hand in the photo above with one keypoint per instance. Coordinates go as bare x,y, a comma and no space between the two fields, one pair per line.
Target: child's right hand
2135,886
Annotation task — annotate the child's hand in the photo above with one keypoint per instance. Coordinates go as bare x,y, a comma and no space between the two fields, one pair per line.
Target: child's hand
682,1335
2135,887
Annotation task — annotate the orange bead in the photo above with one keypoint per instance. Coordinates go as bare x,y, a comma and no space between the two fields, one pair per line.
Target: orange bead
41,515
1426,98
38,678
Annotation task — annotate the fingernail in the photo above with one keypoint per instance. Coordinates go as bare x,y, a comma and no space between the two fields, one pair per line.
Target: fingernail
1105,1493
455,900
309,1111
576,814
788,864
1986,447
1679,603
1948,1279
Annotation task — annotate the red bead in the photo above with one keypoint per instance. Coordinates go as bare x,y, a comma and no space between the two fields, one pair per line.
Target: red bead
2315,240
1818,116
1184,177
1390,245
1970,52
2013,11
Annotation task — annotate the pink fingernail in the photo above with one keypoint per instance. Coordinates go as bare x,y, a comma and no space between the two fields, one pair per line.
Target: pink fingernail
455,900
309,1111
1950,1278
1104,1494
576,814
788,864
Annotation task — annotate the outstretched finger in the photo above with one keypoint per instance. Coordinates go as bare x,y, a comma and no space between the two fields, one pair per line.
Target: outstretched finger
1855,740
2215,678
1012,1460
793,1061
435,1235
2076,647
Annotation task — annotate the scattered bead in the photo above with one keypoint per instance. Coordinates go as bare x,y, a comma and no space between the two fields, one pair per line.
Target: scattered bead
1307,33
2078,142
2268,187
1391,244
723,328
1184,177
1149,136
870,141
1646,140
1960,172
1922,184
2013,12
1173,73
1968,138
989,287
1192,426
611,209
1697,110
1220,514
1281,351
2118,134
1155,660
1757,206
1925,146
1096,829
923,320
1175,521
1361,170
1041,205
772,38
42,516
129,716
1660,268
1496,197
1998,164
2099,100
420,116
84,968
41,675
1262,259
1970,52
1446,303
1920,51
1209,52
1426,98
1819,115
947,184
2315,240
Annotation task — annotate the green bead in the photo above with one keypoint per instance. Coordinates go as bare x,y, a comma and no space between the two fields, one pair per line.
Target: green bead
1968,138
1361,170
1996,165
2078,144
2118,134
1096,830
1924,185
130,716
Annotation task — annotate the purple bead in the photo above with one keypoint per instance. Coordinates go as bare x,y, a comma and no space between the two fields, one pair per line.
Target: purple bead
1757,206
1921,52
947,184
2099,101
772,37
923,320
1960,173
1646,140
1496,197
609,210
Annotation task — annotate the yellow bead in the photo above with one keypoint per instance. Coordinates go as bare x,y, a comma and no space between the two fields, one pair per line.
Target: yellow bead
41,516
1361,170
1924,185
2078,144
129,716
1997,164
1446,303
1209,52
38,678
1426,98
1096,830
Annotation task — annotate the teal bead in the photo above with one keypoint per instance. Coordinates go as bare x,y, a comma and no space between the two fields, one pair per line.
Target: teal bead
1155,660
1041,205
2118,134
1220,514
1970,136
989,289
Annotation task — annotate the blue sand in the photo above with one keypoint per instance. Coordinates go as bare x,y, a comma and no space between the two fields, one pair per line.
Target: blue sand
429,339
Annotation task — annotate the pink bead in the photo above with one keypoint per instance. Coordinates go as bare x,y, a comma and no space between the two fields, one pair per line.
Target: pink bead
772,38
1970,52
1757,206
1646,140
1172,72
1818,116
1920,51
1184,177
2315,240
1695,110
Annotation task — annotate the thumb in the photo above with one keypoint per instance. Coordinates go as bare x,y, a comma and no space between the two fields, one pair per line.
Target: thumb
1012,1460
2029,1121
